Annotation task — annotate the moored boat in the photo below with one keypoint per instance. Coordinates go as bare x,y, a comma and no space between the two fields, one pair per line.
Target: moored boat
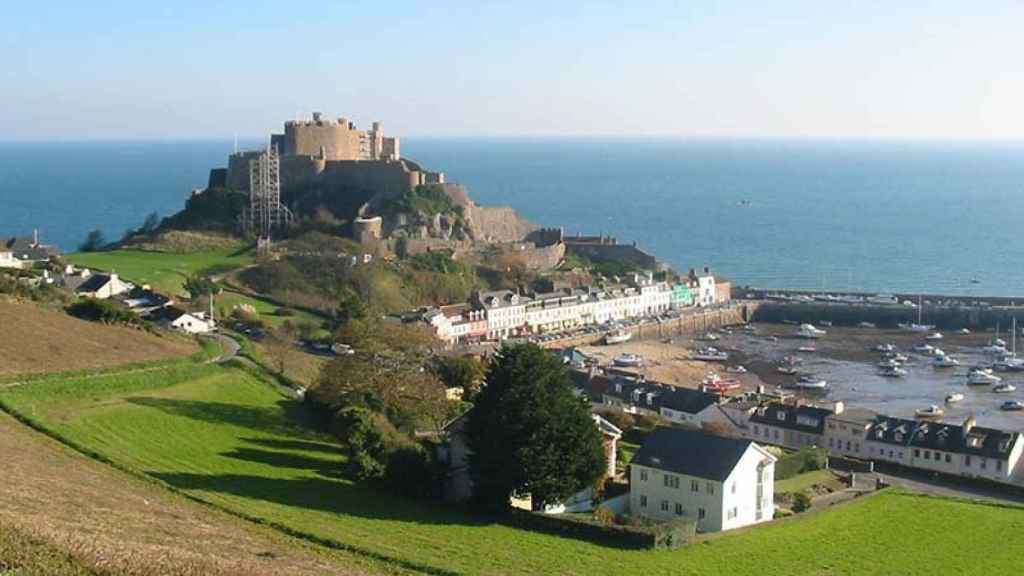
945,362
807,349
923,348
894,372
932,411
808,382
628,360
1012,406
1004,388
738,369
617,337
884,348
810,331
954,398
934,336
982,378
711,354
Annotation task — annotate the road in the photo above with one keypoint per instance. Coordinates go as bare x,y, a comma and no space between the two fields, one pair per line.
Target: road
951,489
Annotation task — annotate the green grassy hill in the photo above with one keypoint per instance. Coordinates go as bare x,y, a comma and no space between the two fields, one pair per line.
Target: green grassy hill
164,271
225,436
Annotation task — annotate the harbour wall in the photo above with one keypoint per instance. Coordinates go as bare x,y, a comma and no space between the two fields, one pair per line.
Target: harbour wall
889,316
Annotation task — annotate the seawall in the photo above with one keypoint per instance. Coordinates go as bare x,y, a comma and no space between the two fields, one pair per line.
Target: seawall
945,318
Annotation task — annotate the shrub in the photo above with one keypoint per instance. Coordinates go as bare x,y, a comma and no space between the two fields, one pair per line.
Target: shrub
604,515
804,460
620,419
412,471
102,311
801,501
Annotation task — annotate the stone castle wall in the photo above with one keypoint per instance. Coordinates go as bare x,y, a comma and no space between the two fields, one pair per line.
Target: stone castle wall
337,140
611,252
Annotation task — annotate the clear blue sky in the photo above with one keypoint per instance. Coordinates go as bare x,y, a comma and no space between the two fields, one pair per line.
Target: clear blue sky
866,69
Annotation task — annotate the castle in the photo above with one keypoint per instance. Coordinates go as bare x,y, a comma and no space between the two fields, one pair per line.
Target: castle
332,154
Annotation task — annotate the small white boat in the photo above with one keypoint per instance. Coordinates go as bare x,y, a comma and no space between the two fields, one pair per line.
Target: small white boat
923,348
914,327
999,342
954,398
628,360
736,370
890,363
867,325
894,372
825,323
617,337
1010,364
807,349
995,349
810,331
945,362
936,352
885,348
934,336
710,337
1004,388
932,411
1012,406
711,354
982,378
808,382
963,331
898,357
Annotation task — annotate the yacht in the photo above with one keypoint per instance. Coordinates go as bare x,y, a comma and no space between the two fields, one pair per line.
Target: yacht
917,326
932,411
1004,388
1012,406
982,378
628,360
954,398
618,337
995,349
945,362
809,331
934,336
711,354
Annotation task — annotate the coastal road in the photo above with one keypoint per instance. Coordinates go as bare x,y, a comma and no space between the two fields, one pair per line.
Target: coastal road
950,489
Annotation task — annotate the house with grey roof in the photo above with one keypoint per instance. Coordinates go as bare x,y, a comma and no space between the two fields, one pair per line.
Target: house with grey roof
720,483
28,250
789,425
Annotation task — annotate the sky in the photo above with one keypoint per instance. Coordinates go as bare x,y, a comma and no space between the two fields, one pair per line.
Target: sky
932,70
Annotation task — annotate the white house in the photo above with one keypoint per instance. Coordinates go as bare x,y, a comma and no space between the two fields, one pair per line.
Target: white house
191,323
7,259
703,284
721,483
102,286
505,310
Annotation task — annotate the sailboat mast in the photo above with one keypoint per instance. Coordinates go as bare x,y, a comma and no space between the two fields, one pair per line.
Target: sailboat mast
919,305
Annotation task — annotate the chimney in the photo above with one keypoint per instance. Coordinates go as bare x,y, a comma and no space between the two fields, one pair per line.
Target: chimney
969,423
838,408
35,237
707,270
316,117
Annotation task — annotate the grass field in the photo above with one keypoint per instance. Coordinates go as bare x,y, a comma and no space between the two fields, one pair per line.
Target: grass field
806,480
164,271
35,339
226,437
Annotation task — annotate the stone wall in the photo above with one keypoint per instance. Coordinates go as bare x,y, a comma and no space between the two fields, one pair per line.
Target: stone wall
597,252
338,140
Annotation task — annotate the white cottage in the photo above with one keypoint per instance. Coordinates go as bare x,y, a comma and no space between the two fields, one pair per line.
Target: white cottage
721,483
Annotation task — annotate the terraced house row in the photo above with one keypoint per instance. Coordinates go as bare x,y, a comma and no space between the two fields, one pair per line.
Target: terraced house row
962,449
503,314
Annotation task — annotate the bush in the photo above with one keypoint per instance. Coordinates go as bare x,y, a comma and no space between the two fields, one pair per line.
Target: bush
634,534
620,419
102,311
604,515
804,460
801,501
411,471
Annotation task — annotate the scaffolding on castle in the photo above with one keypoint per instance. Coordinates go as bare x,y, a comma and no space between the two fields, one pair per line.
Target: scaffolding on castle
265,212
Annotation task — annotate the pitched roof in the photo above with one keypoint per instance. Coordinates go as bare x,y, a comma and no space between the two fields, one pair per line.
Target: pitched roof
800,418
888,430
687,400
93,283
691,452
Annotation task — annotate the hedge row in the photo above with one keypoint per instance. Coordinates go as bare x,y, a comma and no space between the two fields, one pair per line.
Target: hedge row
665,535
803,460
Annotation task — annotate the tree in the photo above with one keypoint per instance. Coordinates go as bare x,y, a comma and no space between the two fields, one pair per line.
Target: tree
466,372
801,501
364,439
279,343
528,432
198,286
94,241
151,223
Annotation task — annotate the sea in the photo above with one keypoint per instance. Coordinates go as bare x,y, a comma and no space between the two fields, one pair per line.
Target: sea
909,217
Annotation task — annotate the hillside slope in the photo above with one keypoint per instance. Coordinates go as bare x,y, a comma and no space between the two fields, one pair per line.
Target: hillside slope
35,339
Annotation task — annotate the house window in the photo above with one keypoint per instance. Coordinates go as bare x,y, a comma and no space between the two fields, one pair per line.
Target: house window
664,505
967,460
830,440
917,453
927,455
700,513
711,488
694,486
776,434
999,464
948,459
780,416
679,509
643,475
984,463
733,488
757,430
847,445
856,447
643,501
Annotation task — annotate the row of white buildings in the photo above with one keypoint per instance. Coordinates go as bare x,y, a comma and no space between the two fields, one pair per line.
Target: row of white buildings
504,313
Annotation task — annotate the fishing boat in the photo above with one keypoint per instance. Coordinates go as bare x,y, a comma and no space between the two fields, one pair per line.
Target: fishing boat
810,331
1012,406
1004,388
711,354
923,348
617,337
932,411
628,360
894,372
934,336
808,382
995,349
945,362
954,398
982,378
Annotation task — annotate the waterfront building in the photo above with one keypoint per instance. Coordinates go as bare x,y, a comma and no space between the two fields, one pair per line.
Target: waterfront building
505,311
788,425
846,431
681,296
703,283
720,483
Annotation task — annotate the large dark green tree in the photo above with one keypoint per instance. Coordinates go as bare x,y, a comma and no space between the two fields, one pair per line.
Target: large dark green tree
529,433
